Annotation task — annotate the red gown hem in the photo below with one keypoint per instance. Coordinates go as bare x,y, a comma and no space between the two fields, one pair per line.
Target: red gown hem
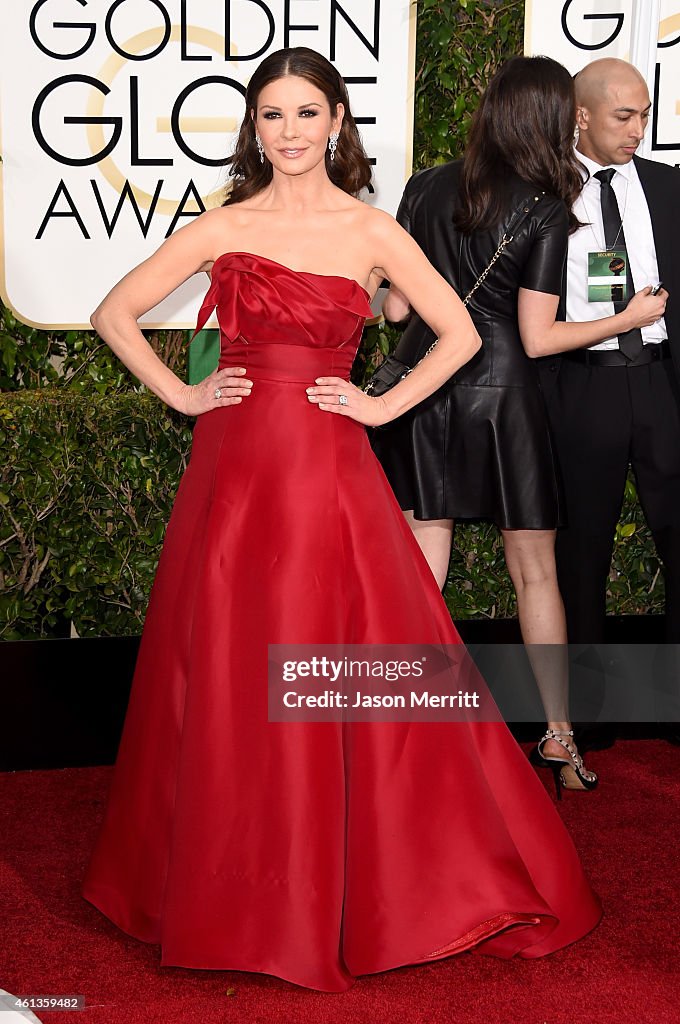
472,941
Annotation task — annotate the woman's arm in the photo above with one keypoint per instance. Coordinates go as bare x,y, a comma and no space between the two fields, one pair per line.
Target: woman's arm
186,252
401,260
542,335
541,283
396,306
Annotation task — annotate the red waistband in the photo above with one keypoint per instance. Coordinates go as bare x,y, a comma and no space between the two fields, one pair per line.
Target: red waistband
295,363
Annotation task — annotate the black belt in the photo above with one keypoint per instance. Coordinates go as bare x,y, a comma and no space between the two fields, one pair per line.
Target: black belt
612,357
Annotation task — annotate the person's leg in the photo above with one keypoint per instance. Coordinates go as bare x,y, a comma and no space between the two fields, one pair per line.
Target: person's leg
591,422
655,396
667,541
530,558
583,559
434,537
666,666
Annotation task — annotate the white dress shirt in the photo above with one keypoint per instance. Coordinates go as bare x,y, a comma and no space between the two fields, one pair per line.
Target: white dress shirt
637,227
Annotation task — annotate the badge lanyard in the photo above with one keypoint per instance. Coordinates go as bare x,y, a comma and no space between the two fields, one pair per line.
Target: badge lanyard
621,215
605,277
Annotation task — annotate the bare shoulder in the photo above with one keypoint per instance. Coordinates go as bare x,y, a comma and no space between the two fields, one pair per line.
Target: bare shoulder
210,232
222,218
386,243
203,229
378,225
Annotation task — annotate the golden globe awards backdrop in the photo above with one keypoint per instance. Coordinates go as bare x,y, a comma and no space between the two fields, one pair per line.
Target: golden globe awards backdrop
645,32
116,116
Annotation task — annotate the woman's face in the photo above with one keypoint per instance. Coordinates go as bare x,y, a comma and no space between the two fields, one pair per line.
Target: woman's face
294,121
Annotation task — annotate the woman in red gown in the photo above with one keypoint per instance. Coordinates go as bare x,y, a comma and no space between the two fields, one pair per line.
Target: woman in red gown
311,851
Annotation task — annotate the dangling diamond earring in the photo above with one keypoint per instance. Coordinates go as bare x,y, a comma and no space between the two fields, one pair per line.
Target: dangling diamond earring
333,143
260,148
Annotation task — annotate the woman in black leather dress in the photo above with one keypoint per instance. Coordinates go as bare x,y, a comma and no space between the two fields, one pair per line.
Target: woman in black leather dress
480,447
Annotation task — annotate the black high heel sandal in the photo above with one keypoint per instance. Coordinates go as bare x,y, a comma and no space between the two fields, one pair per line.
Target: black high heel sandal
567,774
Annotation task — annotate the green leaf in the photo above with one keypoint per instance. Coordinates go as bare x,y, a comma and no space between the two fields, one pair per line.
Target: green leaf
443,35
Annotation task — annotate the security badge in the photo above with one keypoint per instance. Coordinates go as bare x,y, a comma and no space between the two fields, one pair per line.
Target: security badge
607,276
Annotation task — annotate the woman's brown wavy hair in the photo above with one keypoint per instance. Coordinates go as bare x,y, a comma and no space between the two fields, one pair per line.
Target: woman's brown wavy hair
524,124
350,170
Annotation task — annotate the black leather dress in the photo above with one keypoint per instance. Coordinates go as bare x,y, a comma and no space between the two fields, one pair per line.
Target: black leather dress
480,447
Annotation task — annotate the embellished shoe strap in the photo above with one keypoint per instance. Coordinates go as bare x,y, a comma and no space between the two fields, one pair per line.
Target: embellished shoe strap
557,734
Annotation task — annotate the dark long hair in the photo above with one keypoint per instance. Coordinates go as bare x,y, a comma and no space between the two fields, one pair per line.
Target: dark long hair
524,124
350,170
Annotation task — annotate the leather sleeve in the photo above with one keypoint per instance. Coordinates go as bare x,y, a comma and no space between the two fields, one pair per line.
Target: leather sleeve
544,268
404,211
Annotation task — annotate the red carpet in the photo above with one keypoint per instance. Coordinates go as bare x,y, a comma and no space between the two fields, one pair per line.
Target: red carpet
626,972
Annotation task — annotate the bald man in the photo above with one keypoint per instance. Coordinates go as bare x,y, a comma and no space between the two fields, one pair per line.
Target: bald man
618,403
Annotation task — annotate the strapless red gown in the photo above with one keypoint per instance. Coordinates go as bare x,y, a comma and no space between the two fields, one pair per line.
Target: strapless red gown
311,851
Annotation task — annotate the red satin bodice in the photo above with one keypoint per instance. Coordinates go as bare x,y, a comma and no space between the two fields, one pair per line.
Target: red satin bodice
318,318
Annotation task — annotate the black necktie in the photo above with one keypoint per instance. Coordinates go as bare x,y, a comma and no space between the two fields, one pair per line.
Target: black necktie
630,343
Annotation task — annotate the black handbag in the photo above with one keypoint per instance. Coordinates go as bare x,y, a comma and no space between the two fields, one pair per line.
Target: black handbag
392,370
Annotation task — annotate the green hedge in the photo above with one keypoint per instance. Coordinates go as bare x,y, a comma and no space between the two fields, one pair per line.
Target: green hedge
86,487
91,461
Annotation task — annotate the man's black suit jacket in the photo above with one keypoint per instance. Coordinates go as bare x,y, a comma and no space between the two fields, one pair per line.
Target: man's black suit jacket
661,185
